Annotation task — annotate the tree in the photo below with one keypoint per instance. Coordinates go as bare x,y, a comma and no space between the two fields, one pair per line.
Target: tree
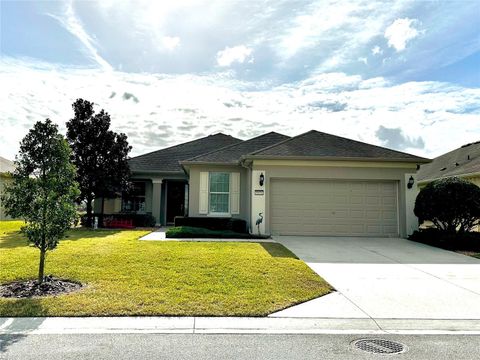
100,155
44,190
451,204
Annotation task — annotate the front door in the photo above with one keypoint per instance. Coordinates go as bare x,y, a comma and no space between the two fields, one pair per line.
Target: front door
175,200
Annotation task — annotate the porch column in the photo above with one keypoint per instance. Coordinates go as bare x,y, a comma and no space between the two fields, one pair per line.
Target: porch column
156,199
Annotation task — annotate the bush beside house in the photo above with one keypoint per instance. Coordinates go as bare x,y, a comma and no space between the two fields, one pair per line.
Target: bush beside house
213,223
453,206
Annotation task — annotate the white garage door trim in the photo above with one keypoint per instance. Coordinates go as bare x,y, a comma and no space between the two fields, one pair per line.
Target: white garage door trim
334,207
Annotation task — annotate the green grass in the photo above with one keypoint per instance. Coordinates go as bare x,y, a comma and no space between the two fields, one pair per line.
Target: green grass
125,276
182,232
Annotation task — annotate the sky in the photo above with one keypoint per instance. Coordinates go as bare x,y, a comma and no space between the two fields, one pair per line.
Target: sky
401,74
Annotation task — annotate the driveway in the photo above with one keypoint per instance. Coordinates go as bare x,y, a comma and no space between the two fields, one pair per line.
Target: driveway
387,278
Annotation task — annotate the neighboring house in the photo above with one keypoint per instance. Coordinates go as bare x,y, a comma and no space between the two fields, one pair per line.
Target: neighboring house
311,184
6,166
463,162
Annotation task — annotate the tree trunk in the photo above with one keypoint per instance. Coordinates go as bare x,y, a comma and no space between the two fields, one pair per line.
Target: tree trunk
41,267
89,212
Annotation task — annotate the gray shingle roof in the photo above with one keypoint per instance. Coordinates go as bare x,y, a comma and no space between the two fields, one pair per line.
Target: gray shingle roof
6,165
167,160
461,161
322,145
232,154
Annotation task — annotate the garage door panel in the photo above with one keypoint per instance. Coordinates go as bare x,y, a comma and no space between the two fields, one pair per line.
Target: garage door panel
343,208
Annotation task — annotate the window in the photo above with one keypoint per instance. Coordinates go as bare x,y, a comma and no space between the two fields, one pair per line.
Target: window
134,200
219,193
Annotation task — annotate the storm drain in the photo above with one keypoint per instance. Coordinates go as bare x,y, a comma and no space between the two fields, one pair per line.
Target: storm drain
379,346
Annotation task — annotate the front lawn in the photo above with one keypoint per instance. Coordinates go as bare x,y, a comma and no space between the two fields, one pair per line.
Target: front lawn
125,276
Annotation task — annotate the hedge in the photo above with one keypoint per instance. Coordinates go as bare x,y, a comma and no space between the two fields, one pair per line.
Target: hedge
213,223
466,241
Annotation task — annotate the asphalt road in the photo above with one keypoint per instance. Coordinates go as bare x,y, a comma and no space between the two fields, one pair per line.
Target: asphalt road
199,346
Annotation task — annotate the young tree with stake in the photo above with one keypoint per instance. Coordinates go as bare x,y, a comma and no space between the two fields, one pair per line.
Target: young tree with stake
44,189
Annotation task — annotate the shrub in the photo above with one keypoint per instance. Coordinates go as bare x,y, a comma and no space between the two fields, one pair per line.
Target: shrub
213,223
181,232
139,220
467,241
451,204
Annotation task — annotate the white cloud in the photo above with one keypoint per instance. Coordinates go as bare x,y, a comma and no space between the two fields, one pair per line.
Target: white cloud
363,60
171,42
376,50
177,108
72,24
400,32
229,55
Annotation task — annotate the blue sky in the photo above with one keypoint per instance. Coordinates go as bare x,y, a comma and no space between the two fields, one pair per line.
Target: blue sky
402,74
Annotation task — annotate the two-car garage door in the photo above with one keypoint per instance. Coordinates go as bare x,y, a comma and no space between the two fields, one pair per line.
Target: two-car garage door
333,207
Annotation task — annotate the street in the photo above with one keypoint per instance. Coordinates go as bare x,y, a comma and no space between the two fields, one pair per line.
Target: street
202,346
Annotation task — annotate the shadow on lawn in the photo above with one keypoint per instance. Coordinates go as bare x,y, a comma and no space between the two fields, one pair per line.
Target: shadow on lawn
277,250
83,233
12,240
17,328
17,239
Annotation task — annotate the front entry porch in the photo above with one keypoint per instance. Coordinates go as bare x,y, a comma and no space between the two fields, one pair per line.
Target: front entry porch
169,199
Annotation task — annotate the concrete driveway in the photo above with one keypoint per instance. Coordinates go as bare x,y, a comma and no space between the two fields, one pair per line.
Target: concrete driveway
387,278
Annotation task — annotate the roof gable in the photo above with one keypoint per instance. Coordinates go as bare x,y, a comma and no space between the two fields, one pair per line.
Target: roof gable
462,161
232,154
167,160
322,145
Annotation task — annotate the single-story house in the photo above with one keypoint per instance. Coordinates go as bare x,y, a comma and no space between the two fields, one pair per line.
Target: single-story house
311,184
463,162
6,166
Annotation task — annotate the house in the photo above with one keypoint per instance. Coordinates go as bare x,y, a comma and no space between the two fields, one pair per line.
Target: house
463,162
311,184
6,166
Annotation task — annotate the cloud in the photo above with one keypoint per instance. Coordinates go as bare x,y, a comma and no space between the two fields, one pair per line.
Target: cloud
376,50
128,96
395,139
171,42
428,118
363,60
72,24
229,55
400,32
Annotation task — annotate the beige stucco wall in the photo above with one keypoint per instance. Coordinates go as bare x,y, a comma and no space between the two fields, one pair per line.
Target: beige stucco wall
339,170
474,179
3,181
194,197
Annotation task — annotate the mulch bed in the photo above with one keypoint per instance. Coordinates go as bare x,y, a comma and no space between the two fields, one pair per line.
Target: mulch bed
51,286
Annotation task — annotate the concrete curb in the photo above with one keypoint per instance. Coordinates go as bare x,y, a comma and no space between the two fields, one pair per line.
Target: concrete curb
233,325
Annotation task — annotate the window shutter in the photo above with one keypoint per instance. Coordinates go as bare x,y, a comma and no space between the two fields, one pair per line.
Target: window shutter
203,201
235,193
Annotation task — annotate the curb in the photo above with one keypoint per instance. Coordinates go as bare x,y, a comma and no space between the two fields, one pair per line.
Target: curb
234,325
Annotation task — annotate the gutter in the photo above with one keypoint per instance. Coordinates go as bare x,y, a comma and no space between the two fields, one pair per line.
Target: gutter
462,176
334,158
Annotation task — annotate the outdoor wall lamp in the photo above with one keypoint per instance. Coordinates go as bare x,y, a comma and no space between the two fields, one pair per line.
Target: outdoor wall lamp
262,179
410,182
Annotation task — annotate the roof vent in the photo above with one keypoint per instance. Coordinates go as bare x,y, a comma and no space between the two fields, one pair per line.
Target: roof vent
443,169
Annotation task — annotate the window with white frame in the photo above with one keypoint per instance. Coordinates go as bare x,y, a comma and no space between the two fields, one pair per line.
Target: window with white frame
219,193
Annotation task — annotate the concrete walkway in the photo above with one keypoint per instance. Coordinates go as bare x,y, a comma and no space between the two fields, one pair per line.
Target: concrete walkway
231,325
387,279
